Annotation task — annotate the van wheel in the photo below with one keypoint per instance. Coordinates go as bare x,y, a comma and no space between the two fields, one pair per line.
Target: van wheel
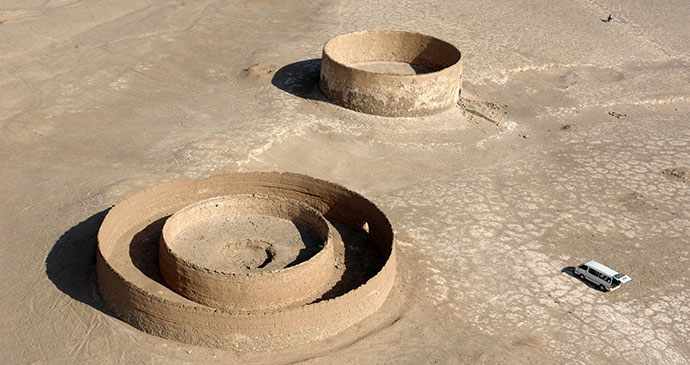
582,277
602,287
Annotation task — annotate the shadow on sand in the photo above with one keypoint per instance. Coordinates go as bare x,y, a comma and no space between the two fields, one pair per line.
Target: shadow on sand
71,263
300,79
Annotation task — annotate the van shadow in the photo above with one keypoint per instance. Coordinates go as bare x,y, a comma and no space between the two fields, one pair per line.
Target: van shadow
301,79
570,270
71,263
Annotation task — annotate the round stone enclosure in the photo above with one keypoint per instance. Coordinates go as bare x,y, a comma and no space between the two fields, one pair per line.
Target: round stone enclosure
391,73
132,287
246,252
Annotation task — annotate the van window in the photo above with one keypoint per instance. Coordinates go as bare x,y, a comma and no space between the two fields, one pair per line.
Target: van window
593,272
583,267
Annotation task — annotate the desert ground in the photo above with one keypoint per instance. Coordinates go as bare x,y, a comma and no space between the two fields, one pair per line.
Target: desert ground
571,142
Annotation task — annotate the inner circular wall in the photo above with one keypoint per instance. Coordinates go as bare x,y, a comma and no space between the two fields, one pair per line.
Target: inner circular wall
390,94
244,290
152,307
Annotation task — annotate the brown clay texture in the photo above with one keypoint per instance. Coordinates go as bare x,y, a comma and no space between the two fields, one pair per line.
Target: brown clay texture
434,88
185,258
148,304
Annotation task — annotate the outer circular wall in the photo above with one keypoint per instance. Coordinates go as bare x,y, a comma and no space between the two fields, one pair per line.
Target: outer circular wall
152,307
260,290
388,94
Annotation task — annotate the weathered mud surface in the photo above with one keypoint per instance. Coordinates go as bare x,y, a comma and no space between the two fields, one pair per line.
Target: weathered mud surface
236,234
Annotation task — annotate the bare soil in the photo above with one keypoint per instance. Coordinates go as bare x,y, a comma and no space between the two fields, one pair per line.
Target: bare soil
246,243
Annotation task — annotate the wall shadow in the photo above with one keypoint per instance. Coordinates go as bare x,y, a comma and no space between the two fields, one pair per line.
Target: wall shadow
71,263
301,79
143,250
362,261
312,245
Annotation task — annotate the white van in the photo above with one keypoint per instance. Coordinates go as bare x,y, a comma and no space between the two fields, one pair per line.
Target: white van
606,278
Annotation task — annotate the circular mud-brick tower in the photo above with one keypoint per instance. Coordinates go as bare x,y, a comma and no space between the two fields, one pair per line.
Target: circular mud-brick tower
245,261
246,252
391,73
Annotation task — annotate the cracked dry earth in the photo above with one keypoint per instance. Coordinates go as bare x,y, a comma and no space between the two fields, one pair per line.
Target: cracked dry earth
571,143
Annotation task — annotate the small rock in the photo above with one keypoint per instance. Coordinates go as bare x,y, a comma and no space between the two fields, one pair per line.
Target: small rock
678,173
617,115
260,71
572,127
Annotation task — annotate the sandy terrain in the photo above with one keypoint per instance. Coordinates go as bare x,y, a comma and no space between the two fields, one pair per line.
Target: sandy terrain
571,142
